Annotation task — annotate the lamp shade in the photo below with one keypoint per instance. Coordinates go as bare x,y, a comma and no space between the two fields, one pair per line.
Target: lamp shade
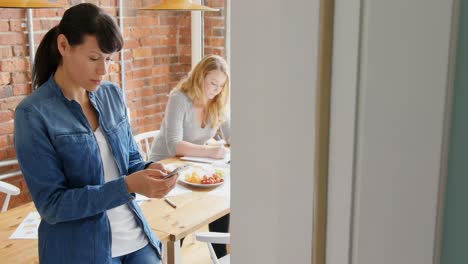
29,4
178,5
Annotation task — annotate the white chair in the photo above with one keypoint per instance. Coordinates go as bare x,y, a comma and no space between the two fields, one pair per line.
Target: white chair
217,238
9,190
144,140
5,187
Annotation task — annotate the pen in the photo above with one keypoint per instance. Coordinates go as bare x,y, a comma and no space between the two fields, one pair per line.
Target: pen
171,203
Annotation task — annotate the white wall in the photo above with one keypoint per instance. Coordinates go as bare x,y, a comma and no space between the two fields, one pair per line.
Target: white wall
398,84
273,66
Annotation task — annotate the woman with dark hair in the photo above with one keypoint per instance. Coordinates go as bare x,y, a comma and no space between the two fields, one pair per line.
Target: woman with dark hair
77,153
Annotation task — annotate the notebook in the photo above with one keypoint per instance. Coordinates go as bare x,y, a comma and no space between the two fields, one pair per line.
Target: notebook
226,160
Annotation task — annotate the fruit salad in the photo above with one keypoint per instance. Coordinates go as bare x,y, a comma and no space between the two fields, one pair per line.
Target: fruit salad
205,178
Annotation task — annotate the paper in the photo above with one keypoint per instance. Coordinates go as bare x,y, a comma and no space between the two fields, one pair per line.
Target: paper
178,190
28,228
226,160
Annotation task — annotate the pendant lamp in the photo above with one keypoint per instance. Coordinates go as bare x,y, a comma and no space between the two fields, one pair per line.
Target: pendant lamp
178,5
28,4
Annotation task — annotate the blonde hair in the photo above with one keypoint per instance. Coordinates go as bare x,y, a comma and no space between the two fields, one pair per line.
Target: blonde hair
192,86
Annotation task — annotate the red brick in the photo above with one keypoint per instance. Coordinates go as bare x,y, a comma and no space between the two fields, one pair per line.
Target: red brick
211,22
12,38
111,11
11,141
185,50
176,68
218,51
141,73
6,116
185,41
138,32
14,65
6,128
141,63
166,30
150,41
169,50
168,20
217,42
17,25
130,95
108,3
149,110
61,11
5,78
185,59
147,21
45,13
115,78
6,91
144,92
47,23
10,103
11,152
168,41
38,36
141,52
129,21
160,69
22,89
4,141
4,26
131,44
215,3
6,52
19,77
134,83
127,31
3,154
217,32
20,51
11,13
159,80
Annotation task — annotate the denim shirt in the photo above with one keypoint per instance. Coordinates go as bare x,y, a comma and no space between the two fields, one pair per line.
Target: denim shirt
61,163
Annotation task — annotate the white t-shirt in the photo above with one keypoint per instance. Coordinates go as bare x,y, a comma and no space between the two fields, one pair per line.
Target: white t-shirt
127,235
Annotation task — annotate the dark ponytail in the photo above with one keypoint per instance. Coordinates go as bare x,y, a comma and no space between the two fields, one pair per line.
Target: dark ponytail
47,58
77,22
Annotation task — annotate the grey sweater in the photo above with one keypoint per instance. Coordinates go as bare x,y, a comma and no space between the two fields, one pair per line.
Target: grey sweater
180,124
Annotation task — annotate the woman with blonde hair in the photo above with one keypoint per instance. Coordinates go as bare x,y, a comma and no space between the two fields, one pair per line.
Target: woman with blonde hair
196,109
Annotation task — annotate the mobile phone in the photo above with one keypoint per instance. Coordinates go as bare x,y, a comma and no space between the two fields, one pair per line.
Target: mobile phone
176,170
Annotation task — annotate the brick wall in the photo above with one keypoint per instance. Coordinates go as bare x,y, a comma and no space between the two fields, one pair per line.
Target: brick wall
157,55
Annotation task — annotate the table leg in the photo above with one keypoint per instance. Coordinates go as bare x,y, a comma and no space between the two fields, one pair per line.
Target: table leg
171,252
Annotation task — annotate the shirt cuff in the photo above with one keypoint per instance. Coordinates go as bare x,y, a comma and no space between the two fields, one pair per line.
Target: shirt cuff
147,164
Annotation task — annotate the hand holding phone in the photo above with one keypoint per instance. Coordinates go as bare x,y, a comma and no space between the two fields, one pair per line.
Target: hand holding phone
176,170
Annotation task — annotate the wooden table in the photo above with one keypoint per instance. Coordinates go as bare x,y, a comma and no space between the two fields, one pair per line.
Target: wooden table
16,251
194,210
